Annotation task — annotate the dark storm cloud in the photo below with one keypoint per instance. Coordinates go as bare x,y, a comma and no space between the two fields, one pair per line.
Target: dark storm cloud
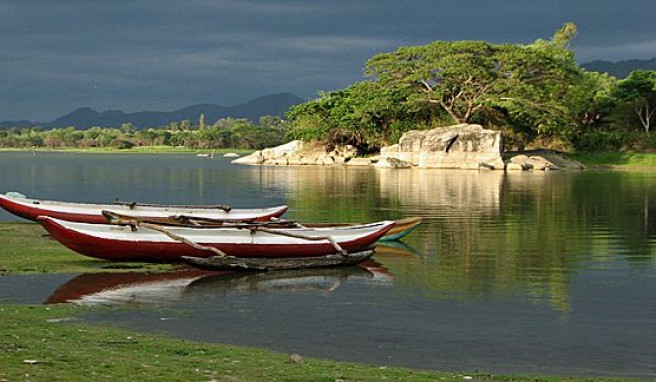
160,55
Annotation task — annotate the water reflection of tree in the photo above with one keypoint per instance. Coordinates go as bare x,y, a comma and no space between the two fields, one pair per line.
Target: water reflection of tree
487,233
619,212
331,193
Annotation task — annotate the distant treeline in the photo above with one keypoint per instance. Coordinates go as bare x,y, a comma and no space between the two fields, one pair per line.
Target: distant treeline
224,133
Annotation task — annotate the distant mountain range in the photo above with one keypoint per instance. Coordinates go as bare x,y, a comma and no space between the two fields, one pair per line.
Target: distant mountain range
620,69
84,118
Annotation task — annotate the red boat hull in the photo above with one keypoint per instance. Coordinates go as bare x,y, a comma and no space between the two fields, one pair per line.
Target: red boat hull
33,211
123,250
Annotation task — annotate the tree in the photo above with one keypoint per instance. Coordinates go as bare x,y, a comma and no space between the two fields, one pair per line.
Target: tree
536,89
185,125
366,115
201,122
466,77
273,122
456,76
635,99
128,129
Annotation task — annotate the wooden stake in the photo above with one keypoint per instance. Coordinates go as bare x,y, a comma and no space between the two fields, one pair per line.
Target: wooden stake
182,239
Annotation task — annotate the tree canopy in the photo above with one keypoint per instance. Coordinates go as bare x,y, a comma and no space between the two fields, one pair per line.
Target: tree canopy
635,98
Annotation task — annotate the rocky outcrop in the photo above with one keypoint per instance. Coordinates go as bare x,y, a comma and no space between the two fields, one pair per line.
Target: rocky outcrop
524,162
541,160
454,147
299,153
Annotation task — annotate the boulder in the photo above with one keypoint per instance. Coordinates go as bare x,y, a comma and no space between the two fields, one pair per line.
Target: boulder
543,160
456,147
360,162
514,167
392,163
299,153
255,158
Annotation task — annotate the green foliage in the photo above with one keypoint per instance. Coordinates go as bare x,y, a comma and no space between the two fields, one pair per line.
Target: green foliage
225,133
535,89
615,140
599,140
366,115
633,101
128,129
457,76
615,158
122,144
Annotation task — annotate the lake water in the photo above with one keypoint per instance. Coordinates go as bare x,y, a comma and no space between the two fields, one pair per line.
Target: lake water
545,272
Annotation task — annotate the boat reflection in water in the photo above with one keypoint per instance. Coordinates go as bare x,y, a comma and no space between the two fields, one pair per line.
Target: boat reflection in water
322,281
396,249
153,289
130,288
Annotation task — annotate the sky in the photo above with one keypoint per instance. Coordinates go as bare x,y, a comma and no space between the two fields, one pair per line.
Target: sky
162,55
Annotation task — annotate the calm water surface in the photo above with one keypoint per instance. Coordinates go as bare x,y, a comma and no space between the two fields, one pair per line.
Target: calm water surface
517,273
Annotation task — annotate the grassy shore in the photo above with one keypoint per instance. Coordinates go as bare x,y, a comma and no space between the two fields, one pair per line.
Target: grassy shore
26,248
598,160
616,160
48,342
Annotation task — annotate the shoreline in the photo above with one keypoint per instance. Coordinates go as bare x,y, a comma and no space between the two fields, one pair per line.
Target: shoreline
601,161
141,150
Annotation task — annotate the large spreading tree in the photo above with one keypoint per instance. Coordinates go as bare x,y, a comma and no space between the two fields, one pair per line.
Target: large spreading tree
634,100
537,88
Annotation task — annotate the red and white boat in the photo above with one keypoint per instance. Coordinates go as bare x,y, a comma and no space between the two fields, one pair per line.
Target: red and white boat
92,213
112,242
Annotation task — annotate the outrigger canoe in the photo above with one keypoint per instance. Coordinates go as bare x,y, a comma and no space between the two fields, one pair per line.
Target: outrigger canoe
402,227
92,213
150,242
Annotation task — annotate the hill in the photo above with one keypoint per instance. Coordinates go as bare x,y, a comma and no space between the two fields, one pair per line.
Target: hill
84,118
620,69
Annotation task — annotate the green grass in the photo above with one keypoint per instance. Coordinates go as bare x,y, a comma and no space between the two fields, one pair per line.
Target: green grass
26,248
46,343
615,159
